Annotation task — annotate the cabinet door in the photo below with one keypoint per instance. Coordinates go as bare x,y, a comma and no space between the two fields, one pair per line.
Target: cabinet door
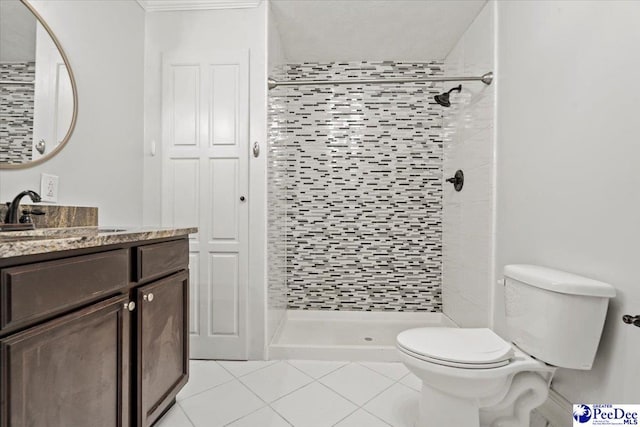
72,371
162,340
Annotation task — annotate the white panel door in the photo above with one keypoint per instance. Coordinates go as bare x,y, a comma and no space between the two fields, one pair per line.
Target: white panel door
205,129
53,96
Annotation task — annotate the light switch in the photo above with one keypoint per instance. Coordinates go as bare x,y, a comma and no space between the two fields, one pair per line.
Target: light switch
49,187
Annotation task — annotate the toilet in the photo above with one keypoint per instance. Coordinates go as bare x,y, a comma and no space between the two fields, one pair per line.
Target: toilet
471,377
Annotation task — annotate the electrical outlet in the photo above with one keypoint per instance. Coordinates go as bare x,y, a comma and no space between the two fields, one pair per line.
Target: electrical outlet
49,187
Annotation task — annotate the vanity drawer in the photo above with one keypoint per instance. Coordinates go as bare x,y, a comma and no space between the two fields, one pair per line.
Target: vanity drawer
36,291
160,259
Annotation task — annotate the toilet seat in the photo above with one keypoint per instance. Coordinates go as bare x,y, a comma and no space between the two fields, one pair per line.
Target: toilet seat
469,348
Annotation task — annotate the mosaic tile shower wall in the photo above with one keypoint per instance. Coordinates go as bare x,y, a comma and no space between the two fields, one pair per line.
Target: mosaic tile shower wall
355,189
16,112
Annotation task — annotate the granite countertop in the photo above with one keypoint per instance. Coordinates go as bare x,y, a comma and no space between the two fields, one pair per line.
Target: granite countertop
44,240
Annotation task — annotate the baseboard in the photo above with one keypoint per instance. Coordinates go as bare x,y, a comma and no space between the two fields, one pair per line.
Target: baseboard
557,410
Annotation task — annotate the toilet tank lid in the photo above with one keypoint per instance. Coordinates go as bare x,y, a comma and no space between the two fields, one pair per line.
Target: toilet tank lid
558,281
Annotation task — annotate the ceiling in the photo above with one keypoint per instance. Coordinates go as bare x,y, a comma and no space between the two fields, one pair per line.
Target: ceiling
356,30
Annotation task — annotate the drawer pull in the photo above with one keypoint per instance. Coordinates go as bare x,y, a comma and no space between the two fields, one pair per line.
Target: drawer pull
130,305
148,297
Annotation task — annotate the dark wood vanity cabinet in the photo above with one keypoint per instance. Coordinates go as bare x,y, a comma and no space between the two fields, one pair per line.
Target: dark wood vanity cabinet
101,344
71,371
162,344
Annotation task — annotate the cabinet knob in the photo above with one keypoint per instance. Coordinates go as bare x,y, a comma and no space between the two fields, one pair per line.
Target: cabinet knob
130,305
148,297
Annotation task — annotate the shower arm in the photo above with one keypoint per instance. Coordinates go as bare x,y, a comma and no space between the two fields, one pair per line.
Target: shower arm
486,78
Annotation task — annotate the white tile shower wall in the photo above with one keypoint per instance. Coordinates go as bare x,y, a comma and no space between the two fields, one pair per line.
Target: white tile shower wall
357,174
276,123
469,145
16,112
276,209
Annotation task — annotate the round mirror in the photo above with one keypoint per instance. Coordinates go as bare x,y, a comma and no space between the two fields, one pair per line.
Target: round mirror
38,96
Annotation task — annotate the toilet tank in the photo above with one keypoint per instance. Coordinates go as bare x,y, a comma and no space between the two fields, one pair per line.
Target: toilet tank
555,316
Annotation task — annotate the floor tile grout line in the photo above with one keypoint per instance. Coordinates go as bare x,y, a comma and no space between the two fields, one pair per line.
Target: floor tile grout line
346,416
292,391
321,376
368,400
320,384
313,380
317,380
288,393
185,414
233,378
205,390
378,394
326,387
268,404
253,412
345,397
382,391
408,386
380,373
226,382
248,373
376,417
286,420
264,401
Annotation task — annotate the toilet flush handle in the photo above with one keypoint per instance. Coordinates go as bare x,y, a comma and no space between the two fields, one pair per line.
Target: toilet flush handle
631,320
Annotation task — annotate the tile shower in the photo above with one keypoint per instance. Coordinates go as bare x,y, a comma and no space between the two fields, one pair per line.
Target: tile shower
355,190
16,111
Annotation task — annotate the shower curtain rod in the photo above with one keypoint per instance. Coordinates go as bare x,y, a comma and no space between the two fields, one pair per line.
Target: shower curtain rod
486,78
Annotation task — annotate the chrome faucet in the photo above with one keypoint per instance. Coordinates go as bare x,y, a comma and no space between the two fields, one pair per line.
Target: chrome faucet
12,212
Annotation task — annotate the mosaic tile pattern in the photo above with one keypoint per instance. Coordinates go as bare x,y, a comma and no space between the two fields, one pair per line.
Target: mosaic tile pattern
16,112
357,173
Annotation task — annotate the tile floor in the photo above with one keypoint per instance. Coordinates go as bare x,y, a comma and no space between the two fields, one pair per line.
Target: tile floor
300,393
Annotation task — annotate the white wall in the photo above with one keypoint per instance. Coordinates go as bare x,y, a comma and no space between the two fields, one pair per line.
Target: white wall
101,164
469,145
214,29
568,152
275,49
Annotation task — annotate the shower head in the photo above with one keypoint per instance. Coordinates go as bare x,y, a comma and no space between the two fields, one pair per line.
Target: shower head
443,98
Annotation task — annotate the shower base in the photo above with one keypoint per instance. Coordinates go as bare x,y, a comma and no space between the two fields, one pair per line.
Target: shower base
346,335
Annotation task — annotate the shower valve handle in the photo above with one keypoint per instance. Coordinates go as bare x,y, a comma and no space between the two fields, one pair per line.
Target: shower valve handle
457,180
631,320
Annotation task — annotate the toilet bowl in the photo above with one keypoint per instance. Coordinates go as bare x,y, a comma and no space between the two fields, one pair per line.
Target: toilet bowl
461,388
471,377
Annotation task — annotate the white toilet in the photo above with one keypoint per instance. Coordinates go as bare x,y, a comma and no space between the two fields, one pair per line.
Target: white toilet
471,377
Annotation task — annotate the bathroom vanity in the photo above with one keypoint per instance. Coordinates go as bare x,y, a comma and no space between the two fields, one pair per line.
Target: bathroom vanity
93,326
